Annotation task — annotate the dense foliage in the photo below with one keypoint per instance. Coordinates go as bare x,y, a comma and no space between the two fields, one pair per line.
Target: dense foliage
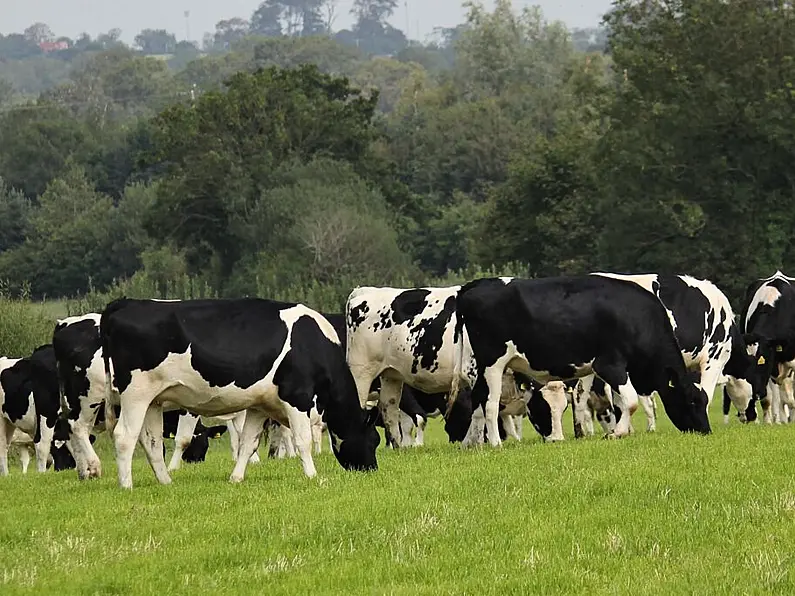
291,161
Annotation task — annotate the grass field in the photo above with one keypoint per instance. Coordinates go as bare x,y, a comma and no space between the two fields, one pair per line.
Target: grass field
651,514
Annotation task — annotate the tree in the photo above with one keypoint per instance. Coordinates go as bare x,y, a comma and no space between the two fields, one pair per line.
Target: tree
156,41
15,210
6,92
266,20
17,47
697,156
38,140
376,11
223,151
38,33
72,240
229,31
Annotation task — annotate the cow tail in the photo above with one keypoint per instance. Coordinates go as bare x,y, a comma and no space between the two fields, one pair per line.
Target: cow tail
104,336
458,363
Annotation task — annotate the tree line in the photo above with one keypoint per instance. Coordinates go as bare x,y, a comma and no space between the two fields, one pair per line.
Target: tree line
295,165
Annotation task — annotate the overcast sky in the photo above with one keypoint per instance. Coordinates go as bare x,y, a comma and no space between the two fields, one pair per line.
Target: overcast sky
72,17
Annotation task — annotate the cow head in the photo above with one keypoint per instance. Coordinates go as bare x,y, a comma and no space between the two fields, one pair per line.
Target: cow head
685,402
62,458
356,451
200,443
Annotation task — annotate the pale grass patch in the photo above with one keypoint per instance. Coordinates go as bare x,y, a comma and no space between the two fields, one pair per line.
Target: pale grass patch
786,502
614,542
20,576
281,564
658,552
532,559
770,565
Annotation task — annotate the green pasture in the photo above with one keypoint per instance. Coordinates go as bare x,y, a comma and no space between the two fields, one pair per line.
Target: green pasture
660,513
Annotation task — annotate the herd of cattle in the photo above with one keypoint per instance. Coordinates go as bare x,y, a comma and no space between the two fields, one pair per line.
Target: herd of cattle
484,356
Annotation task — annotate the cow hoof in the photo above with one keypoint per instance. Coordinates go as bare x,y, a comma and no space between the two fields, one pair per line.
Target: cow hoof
234,479
610,436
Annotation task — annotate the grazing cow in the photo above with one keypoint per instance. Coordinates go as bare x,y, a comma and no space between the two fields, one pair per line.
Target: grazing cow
568,327
29,401
710,341
405,336
768,322
81,374
215,357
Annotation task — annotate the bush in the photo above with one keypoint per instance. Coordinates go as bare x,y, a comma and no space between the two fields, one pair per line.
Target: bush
24,325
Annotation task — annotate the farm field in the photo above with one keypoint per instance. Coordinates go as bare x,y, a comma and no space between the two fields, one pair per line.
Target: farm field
651,514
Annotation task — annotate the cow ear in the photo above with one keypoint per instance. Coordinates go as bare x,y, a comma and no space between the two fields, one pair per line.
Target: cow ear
214,432
750,339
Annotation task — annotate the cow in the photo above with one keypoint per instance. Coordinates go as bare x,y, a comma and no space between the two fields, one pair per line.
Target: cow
81,375
29,401
568,327
709,338
213,357
767,320
405,336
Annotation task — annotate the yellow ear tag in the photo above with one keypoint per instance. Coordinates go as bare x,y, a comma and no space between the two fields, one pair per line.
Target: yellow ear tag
761,360
779,349
671,384
523,387
216,435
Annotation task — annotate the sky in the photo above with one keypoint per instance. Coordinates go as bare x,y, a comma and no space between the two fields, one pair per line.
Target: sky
72,17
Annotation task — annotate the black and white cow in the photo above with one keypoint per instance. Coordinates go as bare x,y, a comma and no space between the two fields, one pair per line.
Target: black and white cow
768,322
215,357
406,336
568,327
29,401
710,341
81,371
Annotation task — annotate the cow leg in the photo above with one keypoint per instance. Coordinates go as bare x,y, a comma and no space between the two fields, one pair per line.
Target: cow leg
363,377
44,443
474,434
406,426
288,440
87,462
770,403
6,432
125,434
389,402
582,416
317,435
249,441
650,409
151,439
493,378
510,429
302,435
624,395
24,458
419,441
186,425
